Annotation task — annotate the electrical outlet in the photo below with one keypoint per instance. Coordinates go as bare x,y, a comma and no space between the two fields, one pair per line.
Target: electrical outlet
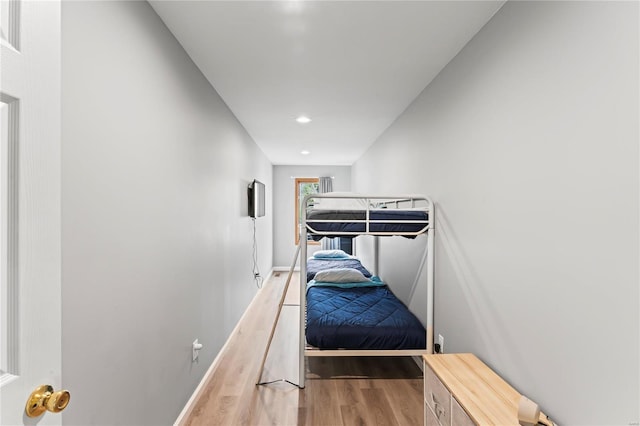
441,343
195,350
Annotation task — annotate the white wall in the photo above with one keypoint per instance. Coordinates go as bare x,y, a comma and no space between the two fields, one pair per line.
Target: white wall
402,265
157,244
284,246
528,142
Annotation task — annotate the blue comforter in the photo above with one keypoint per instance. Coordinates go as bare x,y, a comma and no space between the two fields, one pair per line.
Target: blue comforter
361,318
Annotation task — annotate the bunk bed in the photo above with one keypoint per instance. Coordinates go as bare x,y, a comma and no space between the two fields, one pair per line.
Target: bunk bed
365,297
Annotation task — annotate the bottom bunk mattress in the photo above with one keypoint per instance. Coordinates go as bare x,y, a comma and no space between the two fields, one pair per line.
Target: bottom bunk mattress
361,318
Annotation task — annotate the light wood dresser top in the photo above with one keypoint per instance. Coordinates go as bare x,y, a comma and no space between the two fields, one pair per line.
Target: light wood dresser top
484,395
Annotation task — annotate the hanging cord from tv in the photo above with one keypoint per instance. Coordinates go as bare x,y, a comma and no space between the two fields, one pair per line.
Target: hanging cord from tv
256,271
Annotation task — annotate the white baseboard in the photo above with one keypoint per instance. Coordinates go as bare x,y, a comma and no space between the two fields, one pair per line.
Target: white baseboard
418,361
266,280
284,269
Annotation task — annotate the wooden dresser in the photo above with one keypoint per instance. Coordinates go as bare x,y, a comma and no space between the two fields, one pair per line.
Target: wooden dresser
460,390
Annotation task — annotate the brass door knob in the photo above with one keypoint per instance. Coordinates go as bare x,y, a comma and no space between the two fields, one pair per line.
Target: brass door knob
45,399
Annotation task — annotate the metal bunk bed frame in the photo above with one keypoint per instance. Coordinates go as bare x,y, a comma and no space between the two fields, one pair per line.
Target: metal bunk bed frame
428,229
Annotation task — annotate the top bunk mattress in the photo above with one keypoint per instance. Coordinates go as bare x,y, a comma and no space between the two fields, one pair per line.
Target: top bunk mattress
321,223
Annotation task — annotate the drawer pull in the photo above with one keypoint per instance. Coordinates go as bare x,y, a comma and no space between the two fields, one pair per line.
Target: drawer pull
437,407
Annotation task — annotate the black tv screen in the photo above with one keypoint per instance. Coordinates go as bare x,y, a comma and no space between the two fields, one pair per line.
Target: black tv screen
256,198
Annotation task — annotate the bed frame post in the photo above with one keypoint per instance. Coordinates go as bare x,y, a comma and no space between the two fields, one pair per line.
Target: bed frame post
303,295
430,275
376,255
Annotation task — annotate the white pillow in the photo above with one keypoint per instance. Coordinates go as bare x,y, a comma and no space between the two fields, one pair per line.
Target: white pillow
330,254
340,275
340,203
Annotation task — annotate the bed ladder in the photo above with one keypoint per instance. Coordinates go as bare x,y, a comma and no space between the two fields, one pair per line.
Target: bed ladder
275,323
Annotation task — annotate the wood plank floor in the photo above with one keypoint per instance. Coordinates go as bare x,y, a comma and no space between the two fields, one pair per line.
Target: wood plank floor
338,391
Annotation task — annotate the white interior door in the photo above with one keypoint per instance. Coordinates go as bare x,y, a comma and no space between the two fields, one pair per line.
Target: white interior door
30,267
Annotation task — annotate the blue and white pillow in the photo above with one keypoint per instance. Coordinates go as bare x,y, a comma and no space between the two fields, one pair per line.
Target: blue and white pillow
341,275
331,254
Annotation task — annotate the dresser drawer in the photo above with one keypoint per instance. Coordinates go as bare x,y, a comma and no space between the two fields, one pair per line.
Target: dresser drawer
430,418
437,397
459,417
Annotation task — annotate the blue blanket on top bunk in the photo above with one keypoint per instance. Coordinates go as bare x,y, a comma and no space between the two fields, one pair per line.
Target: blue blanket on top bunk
361,317
382,220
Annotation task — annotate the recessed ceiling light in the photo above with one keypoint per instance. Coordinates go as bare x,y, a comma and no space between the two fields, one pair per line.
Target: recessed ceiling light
303,119
305,152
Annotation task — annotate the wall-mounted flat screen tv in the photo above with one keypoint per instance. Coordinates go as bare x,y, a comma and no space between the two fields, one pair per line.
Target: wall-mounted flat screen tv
256,198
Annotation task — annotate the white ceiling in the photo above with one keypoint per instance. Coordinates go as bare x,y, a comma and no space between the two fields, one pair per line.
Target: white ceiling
352,66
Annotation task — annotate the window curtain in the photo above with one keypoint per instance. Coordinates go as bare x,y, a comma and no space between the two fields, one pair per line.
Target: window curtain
326,185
